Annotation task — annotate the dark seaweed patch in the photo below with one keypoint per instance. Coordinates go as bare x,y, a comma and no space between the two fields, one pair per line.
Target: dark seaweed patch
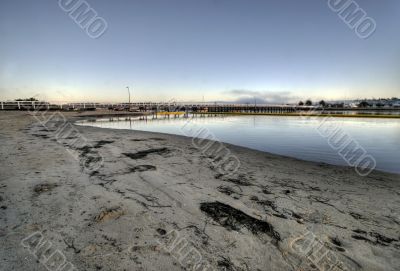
355,215
225,190
40,135
94,173
143,154
380,239
226,264
44,187
142,168
360,231
161,231
359,237
84,150
151,138
238,181
219,176
336,241
101,143
335,244
233,219
266,191
268,203
89,160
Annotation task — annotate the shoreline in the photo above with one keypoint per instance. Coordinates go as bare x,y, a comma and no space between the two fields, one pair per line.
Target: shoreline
150,184
233,146
89,119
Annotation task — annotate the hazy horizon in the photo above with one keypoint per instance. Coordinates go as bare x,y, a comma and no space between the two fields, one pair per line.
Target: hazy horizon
277,51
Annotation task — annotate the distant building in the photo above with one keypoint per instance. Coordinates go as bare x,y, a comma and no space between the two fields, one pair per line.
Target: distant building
353,105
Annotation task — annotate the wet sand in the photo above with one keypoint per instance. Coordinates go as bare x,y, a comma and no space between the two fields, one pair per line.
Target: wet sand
131,200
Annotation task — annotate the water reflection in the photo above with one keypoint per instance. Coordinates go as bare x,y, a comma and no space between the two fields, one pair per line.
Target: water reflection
291,136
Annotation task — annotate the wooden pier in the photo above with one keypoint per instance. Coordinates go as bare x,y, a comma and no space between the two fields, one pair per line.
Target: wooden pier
195,108
149,107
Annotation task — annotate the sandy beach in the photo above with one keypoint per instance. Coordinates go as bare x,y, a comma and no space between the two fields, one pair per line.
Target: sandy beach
131,200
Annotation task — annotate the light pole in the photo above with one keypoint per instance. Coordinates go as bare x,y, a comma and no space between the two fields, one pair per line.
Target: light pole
129,93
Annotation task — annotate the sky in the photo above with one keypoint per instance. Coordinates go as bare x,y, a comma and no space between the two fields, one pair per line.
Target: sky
186,50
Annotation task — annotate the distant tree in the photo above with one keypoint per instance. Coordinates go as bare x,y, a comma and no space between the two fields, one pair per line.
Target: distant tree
301,103
29,99
322,103
308,102
363,104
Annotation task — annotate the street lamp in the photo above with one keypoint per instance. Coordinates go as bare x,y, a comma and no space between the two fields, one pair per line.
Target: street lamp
129,93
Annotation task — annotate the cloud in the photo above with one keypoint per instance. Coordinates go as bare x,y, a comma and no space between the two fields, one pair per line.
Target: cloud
244,96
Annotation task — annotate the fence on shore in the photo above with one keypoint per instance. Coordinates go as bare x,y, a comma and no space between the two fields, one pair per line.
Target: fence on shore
41,105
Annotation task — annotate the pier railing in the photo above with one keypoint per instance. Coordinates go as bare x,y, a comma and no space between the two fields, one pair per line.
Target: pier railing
181,106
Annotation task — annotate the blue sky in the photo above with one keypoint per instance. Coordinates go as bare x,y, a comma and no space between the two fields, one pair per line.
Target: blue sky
184,50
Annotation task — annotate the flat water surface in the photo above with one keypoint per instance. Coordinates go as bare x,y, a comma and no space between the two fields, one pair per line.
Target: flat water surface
299,137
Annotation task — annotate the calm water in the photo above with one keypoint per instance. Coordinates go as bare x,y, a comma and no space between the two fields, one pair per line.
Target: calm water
290,136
